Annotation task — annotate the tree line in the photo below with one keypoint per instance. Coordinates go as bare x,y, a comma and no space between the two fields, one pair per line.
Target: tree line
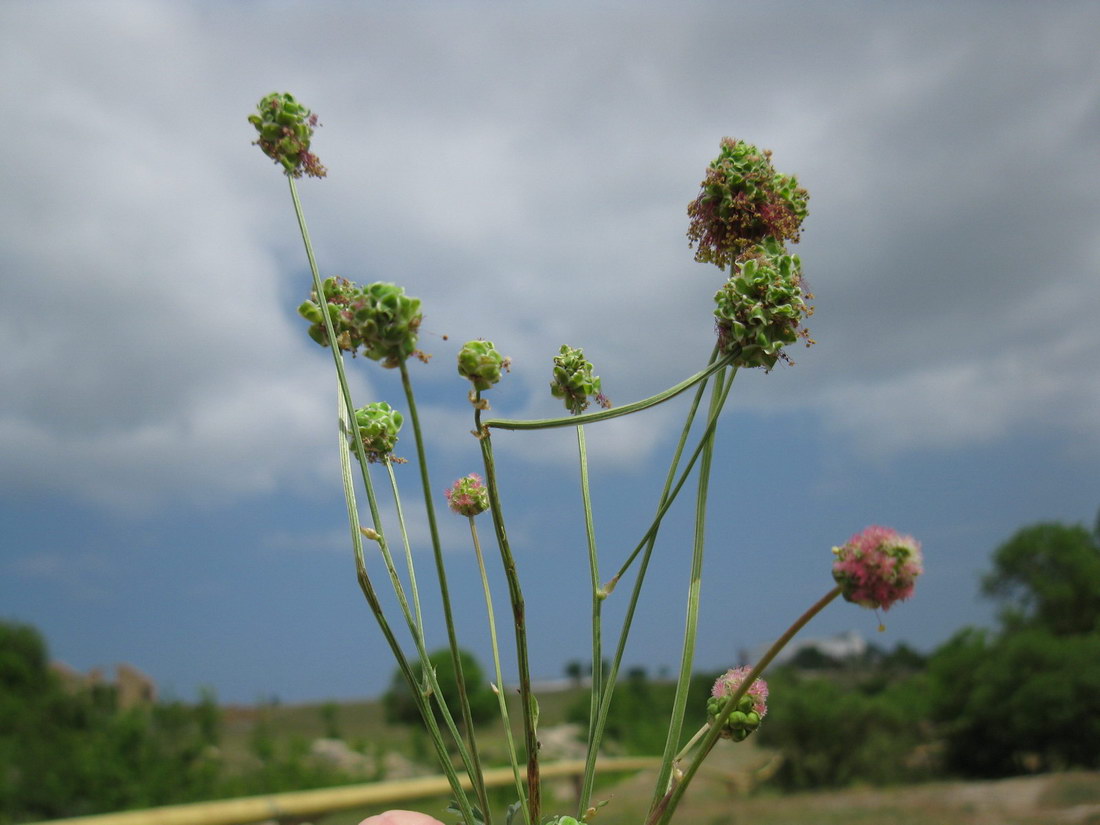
1023,697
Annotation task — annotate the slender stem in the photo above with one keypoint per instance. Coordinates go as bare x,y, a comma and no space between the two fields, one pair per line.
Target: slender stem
691,623
422,704
499,687
668,497
418,626
662,812
596,688
515,593
614,412
353,516
476,774
648,542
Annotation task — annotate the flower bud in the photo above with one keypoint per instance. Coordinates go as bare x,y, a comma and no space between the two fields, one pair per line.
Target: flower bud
878,567
468,496
481,363
573,381
742,201
285,129
378,425
751,708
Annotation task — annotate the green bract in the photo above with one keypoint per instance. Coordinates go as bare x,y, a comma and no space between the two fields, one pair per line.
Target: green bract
743,201
379,318
378,425
761,307
743,721
285,129
574,382
480,362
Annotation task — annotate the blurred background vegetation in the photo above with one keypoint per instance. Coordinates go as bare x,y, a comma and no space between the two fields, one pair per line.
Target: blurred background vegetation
1021,698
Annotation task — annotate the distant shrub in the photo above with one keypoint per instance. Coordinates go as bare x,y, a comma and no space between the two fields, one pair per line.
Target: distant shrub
830,735
400,705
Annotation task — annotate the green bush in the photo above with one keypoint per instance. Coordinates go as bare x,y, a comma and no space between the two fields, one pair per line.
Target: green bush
400,704
1023,702
638,718
831,735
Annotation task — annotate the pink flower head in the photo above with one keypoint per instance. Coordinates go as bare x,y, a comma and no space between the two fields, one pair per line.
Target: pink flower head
731,680
878,567
468,496
401,818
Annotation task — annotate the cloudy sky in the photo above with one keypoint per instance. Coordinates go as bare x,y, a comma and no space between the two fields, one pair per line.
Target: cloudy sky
169,489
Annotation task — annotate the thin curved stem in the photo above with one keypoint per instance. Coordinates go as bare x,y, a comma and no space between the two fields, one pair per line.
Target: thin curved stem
668,497
662,812
614,412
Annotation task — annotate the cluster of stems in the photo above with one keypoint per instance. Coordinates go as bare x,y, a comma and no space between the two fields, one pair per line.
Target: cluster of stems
691,458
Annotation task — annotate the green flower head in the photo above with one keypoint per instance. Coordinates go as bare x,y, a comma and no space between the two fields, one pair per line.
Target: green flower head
378,425
379,318
761,307
285,130
481,363
742,201
574,382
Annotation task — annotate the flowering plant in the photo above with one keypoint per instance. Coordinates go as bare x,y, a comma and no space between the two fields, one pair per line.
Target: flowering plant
743,218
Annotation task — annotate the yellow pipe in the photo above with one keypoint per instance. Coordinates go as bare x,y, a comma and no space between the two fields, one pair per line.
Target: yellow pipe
323,800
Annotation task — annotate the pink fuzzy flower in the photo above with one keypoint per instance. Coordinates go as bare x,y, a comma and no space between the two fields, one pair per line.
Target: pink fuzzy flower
401,818
878,567
468,496
731,680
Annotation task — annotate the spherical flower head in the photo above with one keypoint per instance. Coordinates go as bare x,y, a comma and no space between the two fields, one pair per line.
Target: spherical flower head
761,307
751,708
378,425
468,496
379,319
742,201
481,363
574,382
285,130
878,567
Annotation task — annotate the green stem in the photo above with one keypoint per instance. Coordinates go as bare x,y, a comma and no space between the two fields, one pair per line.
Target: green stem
418,628
499,687
416,625
614,412
679,704
515,593
668,497
353,515
648,542
371,596
476,774
662,812
596,691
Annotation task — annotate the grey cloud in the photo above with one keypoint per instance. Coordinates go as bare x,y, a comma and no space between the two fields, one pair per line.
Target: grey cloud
525,172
